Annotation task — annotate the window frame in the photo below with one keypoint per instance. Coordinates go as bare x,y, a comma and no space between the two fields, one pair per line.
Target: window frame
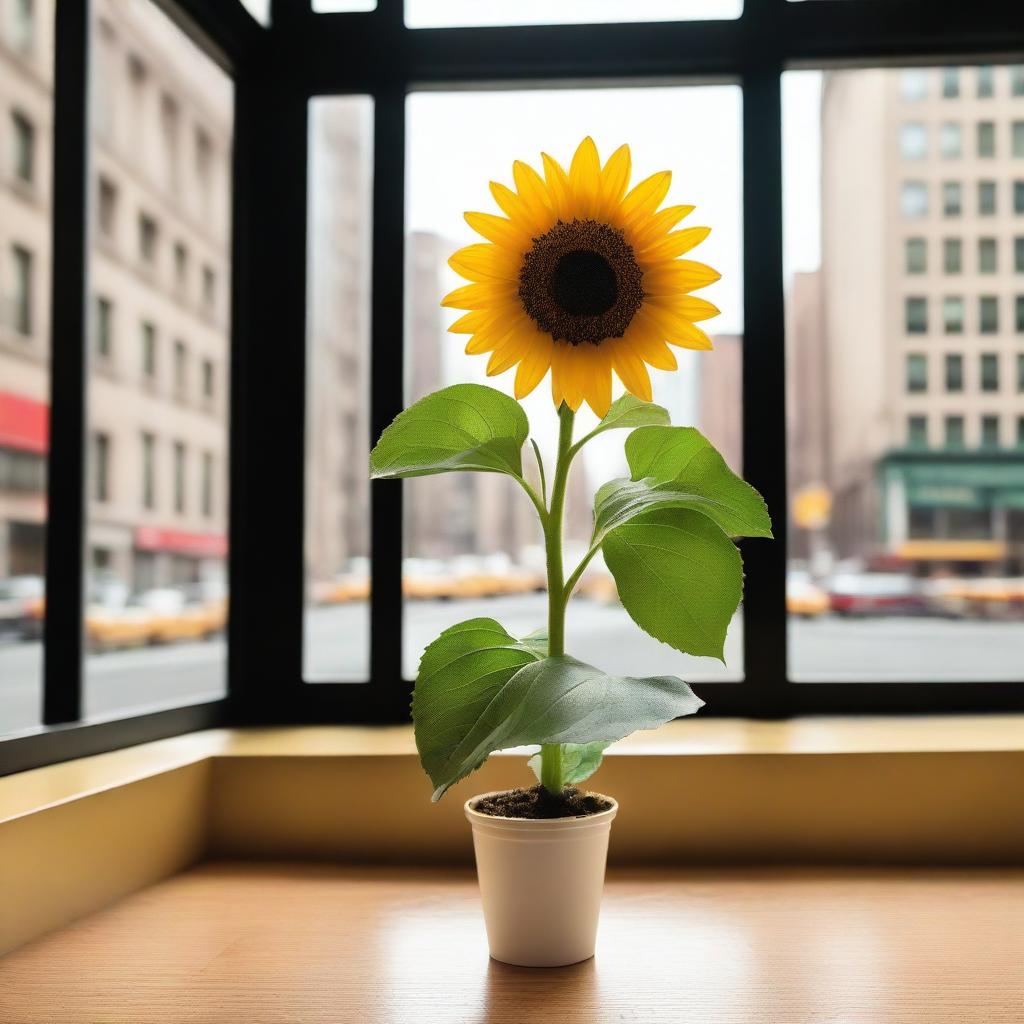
276,72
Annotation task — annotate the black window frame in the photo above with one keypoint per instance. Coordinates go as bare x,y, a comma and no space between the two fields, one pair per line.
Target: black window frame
276,72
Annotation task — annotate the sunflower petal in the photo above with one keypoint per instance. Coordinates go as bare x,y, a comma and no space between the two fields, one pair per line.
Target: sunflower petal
674,245
651,229
483,262
675,328
631,370
510,204
597,379
568,387
535,363
532,191
470,323
499,230
647,342
585,178
690,336
646,197
691,307
678,277
480,295
614,179
557,182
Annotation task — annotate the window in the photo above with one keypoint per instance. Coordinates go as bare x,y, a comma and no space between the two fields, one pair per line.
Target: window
148,471
21,269
949,139
951,198
913,141
954,431
986,198
148,350
1018,255
915,256
147,238
954,372
101,466
950,83
1018,197
180,369
1019,313
914,84
208,379
1017,80
953,315
988,314
1020,372
917,432
985,81
986,138
106,207
989,431
917,373
170,120
1020,431
1017,134
179,477
209,287
914,200
204,157
916,316
986,255
180,266
951,259
207,486
104,327
23,147
989,371
23,25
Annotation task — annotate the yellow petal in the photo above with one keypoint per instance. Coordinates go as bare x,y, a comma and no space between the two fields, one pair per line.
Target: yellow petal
470,323
534,365
532,191
614,179
678,277
691,336
585,178
631,370
673,245
691,307
499,230
649,230
646,340
568,387
675,328
597,380
646,197
479,295
557,182
483,262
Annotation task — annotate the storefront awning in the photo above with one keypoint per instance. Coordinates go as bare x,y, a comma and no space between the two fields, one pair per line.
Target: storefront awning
952,551
24,423
181,542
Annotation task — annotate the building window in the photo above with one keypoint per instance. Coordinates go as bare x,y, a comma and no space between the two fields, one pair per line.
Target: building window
951,259
950,198
101,466
915,256
23,148
988,314
106,207
954,430
104,327
1018,197
916,373
986,138
1018,255
989,431
180,369
914,84
986,198
21,269
23,25
916,315
180,266
950,83
148,233
179,477
148,350
1017,131
1017,79
148,471
1020,431
917,432
989,371
1018,304
204,156
953,315
913,141
208,378
209,287
914,199
207,491
954,372
985,81
986,255
169,121
1020,372
949,139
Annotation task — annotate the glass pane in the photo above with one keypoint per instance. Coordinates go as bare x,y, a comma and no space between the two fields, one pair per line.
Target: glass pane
343,6
451,13
472,544
337,618
26,137
907,528
156,539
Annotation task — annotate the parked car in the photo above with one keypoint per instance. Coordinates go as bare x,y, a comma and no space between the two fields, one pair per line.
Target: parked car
178,615
876,593
21,607
804,598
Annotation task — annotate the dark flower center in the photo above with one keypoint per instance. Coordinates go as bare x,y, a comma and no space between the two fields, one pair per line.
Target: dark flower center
580,282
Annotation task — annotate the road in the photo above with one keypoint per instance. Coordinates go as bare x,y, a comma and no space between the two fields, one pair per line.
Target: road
336,648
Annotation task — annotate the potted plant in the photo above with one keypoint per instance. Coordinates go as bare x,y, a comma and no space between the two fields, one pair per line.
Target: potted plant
580,277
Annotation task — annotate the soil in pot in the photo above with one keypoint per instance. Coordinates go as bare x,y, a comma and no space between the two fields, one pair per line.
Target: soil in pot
537,802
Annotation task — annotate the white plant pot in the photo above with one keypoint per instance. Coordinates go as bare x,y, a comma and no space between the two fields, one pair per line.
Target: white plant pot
541,882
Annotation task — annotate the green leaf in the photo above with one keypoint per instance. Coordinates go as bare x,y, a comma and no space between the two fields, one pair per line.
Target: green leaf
679,577
677,467
579,761
460,674
464,427
554,700
630,411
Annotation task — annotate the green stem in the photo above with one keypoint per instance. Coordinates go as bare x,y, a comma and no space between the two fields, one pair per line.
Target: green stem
571,582
551,753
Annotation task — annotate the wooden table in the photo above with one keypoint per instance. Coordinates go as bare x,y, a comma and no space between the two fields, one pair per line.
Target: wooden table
308,943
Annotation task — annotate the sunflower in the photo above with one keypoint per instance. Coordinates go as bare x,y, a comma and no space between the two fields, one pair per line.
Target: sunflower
581,277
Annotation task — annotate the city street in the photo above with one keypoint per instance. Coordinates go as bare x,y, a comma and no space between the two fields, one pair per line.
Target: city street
822,649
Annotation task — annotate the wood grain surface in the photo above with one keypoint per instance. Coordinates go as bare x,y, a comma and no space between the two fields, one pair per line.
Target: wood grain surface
234,942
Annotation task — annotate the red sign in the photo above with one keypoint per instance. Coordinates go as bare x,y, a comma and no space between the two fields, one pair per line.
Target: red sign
181,542
24,423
